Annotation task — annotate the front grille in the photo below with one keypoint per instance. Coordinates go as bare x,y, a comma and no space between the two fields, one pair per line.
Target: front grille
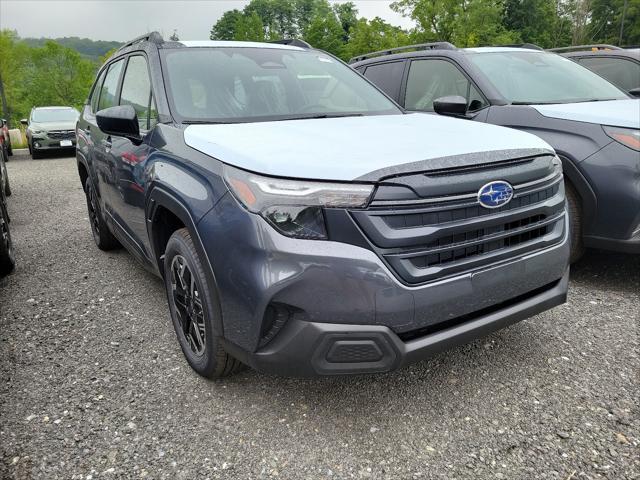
62,134
430,238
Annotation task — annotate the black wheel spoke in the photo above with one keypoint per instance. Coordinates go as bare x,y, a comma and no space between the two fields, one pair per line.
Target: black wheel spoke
188,305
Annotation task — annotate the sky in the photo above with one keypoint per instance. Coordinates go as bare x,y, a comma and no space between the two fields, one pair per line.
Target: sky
125,19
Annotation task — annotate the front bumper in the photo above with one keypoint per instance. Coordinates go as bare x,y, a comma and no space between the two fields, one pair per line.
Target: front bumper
614,175
311,348
45,143
330,288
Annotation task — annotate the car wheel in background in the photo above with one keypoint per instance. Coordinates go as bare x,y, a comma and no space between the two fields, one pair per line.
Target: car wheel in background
574,209
193,309
101,235
7,186
7,258
35,154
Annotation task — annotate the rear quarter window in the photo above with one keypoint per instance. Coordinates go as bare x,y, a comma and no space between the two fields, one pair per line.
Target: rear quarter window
387,76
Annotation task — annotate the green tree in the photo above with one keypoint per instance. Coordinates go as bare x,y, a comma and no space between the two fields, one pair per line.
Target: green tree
14,57
225,27
249,28
57,75
368,36
466,23
326,33
347,14
607,18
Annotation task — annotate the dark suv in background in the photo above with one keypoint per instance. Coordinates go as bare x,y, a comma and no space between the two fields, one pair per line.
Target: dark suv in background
621,66
303,223
593,125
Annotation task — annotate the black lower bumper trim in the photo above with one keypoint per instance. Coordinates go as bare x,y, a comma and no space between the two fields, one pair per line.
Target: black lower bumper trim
304,349
631,245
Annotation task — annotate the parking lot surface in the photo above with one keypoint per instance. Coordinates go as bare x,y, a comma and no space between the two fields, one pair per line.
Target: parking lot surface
93,383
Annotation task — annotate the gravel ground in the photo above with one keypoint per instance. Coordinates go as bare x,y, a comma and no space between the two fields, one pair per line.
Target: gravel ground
93,383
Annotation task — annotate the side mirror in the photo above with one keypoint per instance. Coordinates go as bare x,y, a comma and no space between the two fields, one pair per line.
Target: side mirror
24,121
120,121
635,92
454,105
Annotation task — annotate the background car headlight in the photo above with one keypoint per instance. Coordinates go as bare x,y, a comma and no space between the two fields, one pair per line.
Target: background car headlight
629,137
294,207
37,132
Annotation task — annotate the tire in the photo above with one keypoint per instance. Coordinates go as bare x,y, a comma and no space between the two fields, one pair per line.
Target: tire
35,154
7,257
574,208
10,151
7,187
101,235
194,308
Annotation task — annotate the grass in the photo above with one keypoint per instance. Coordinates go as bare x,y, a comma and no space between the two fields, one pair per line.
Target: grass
22,143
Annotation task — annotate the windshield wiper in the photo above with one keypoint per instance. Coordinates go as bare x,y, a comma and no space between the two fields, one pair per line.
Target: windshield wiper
534,103
204,122
324,115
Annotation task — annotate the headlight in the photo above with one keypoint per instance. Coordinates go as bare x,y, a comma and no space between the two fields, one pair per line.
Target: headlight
294,207
629,137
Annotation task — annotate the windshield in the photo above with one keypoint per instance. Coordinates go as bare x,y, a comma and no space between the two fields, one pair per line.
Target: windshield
537,77
45,115
243,84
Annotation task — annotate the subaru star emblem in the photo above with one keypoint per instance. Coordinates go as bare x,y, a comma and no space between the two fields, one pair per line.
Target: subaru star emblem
495,194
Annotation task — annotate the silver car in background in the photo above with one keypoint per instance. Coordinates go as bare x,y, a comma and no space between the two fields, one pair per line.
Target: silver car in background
51,128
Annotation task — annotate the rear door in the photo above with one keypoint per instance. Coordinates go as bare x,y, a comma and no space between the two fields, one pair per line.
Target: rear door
87,122
99,150
128,160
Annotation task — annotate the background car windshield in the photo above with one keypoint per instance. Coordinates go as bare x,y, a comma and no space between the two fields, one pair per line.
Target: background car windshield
54,115
251,84
531,77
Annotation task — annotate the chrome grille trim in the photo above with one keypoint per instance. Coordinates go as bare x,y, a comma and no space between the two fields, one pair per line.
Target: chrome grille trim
435,238
553,178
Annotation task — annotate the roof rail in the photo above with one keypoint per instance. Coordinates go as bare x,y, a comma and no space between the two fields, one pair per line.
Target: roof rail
531,46
578,48
153,37
419,46
294,42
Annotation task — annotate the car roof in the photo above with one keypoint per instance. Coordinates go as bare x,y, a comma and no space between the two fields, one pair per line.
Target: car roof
631,53
440,52
235,44
500,50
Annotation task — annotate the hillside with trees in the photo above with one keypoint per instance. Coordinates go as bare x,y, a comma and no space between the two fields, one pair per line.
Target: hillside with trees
61,71
89,49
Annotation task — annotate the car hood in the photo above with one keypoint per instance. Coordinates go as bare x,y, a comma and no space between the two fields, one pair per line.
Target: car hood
617,113
49,126
359,148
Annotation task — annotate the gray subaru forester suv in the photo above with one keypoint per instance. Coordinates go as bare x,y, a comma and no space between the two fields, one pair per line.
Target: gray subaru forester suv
302,222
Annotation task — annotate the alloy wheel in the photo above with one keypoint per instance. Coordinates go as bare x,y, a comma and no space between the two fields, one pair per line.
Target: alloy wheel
188,305
93,211
5,234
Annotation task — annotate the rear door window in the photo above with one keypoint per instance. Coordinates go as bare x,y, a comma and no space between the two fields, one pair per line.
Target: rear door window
619,71
387,76
110,85
431,79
